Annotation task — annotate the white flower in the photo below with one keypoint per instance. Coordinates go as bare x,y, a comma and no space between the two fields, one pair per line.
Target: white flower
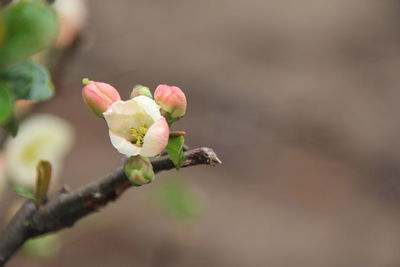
136,127
41,137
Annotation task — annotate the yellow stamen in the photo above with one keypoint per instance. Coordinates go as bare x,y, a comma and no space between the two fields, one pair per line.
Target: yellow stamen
138,135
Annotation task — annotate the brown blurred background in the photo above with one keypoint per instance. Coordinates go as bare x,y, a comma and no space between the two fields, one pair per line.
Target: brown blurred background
298,98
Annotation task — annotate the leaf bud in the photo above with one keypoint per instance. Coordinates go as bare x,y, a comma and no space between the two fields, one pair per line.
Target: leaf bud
141,90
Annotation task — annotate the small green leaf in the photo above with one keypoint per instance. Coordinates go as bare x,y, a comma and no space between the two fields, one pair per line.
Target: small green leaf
6,104
23,192
27,80
43,178
175,150
28,28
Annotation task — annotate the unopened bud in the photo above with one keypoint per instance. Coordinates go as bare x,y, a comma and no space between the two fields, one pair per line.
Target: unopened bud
141,90
172,102
139,170
99,96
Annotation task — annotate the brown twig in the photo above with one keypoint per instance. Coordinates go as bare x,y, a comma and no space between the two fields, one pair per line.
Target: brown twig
68,207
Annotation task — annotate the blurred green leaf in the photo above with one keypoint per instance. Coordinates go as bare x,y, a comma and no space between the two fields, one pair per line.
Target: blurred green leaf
6,104
175,150
27,80
11,126
43,247
178,200
23,192
28,28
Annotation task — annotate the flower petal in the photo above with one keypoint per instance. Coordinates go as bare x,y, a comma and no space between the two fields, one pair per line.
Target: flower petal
156,138
128,107
120,117
123,146
149,106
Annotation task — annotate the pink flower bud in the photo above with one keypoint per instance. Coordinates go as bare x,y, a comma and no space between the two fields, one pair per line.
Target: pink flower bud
99,96
172,102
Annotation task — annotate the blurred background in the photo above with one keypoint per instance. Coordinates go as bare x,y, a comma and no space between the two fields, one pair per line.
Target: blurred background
298,98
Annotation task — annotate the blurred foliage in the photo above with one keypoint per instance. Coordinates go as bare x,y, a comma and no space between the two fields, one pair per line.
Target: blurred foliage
27,80
23,192
178,200
44,247
6,103
26,28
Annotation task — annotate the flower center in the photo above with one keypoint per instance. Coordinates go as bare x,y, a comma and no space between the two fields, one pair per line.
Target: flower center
138,135
31,152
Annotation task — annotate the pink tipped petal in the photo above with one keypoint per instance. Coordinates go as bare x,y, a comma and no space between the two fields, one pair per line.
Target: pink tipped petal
94,101
108,91
124,146
156,138
162,91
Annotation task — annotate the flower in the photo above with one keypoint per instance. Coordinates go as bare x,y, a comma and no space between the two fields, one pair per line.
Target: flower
99,96
171,100
41,137
136,127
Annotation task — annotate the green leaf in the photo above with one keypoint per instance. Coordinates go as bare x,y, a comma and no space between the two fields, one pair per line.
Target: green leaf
28,28
23,192
6,104
175,150
27,80
11,126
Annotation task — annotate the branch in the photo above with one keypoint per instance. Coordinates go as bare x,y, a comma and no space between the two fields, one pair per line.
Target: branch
68,208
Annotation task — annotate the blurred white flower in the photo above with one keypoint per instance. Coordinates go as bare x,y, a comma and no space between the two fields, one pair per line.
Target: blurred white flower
41,137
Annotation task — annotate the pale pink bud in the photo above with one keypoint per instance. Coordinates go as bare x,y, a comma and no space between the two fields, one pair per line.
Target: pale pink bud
141,90
172,101
99,96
